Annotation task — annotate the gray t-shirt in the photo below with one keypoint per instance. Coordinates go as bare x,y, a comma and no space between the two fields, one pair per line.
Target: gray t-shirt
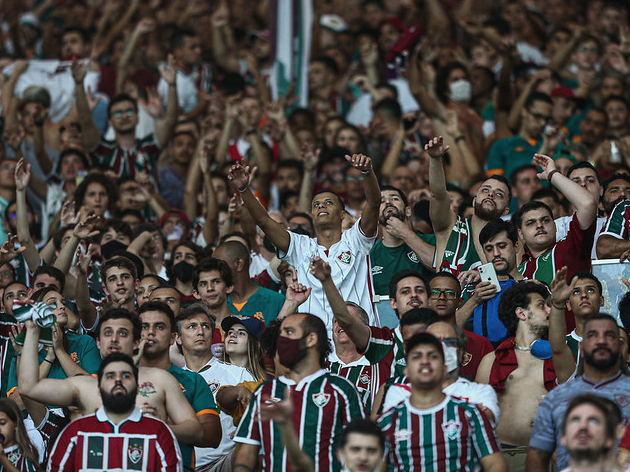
548,425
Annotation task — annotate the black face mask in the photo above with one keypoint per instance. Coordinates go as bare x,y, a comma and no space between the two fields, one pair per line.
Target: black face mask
110,249
183,271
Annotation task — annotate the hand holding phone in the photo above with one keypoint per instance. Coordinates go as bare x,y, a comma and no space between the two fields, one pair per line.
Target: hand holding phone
488,273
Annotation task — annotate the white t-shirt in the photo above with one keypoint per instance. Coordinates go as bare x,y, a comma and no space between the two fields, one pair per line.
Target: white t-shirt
217,374
350,271
472,392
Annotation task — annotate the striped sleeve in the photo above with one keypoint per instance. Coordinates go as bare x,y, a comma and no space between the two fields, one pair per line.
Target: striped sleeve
168,449
62,456
248,431
380,344
484,436
617,223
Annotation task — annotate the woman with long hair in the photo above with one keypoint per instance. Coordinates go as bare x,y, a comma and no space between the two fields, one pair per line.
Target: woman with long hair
17,452
242,345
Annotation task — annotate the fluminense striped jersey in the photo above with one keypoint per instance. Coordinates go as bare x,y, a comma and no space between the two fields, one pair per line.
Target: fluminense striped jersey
6,350
460,253
386,347
451,436
365,377
18,459
323,403
93,443
618,223
141,157
574,251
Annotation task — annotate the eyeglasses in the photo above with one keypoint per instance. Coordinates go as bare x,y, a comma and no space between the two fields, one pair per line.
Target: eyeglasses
128,112
450,341
448,293
592,49
354,178
539,116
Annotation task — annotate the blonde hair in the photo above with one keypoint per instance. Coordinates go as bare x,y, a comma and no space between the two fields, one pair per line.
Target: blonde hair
255,358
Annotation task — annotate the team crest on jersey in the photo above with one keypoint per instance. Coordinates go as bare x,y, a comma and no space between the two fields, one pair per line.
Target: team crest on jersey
452,429
546,256
321,399
413,257
376,270
146,388
365,379
345,257
622,400
467,358
214,386
14,457
402,435
134,453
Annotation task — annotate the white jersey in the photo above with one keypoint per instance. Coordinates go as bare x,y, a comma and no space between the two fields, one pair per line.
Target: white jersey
562,229
471,392
349,261
217,374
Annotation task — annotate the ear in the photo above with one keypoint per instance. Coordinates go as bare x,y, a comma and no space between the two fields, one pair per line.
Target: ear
178,339
393,304
407,212
601,301
520,235
105,291
196,294
311,340
520,313
229,289
567,305
173,336
507,210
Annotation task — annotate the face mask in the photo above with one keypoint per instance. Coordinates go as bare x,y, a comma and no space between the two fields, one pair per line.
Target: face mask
110,248
176,234
541,349
290,351
450,357
183,271
461,90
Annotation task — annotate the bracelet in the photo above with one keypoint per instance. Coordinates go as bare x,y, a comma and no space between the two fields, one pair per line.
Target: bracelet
459,138
49,361
557,307
550,174
242,191
366,172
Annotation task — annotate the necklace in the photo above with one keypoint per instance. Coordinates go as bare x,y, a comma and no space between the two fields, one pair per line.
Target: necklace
521,348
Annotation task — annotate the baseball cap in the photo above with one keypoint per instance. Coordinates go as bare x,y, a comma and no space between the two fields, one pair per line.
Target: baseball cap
253,326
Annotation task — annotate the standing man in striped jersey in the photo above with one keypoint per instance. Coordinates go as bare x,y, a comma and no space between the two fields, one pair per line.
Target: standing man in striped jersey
323,402
430,429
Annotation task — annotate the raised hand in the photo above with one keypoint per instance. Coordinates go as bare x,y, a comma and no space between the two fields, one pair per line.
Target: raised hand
310,158
145,25
22,175
83,259
221,15
85,228
320,269
69,214
79,71
435,147
153,103
13,137
560,290
360,161
546,164
297,292
239,176
169,73
8,252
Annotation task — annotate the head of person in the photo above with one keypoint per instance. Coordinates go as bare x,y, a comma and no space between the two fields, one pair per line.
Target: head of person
394,204
550,198
14,292
237,257
118,383
14,431
586,297
64,318
584,174
289,175
536,226
454,344
158,328
322,73
536,114
600,342
146,285
119,279
7,173
195,328
593,126
349,137
425,367
499,240
589,429
132,217
157,246
116,236
416,321
49,276
71,139
407,290
587,52
71,162
302,223
616,189
524,306
169,295
75,43
303,338
444,294
457,196
361,445
386,118
184,257
524,181
182,148
618,111
7,274
242,339
564,104
186,47
493,198
339,335
212,282
122,113
403,178
96,193
130,195
452,83
327,209
118,330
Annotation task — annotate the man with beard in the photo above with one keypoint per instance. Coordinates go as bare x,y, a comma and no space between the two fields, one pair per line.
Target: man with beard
457,245
537,229
520,374
324,402
612,242
601,375
118,435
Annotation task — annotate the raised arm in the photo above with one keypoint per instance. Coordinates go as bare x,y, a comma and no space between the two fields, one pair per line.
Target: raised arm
87,311
296,295
279,236
91,136
85,228
584,203
440,211
164,129
358,331
563,361
369,217
22,178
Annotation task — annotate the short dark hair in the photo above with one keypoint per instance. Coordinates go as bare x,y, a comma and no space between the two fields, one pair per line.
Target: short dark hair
53,272
118,314
121,97
537,97
343,205
424,338
168,263
583,274
529,206
584,165
85,35
39,295
517,296
545,192
118,261
72,152
361,426
154,305
291,164
328,63
403,274
495,227
609,409
504,181
117,357
598,316
177,39
314,324
616,176
516,172
190,311
391,188
211,263
95,178
425,316
388,107
445,274
119,226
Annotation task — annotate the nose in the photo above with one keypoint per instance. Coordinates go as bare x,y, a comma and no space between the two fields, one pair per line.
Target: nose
495,251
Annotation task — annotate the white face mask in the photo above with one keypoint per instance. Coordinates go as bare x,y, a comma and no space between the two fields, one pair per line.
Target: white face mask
461,90
450,357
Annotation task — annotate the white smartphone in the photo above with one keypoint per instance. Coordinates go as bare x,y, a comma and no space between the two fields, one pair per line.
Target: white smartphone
487,273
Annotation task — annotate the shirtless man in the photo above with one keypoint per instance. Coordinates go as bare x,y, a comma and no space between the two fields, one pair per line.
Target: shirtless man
118,331
520,379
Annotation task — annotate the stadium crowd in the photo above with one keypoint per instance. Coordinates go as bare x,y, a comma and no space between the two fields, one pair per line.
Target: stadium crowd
412,257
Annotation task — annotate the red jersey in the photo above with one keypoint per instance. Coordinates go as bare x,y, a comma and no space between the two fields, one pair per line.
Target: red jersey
476,347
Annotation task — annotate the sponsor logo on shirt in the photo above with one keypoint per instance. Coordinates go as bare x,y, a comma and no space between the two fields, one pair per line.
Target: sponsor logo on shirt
135,453
321,399
376,270
452,429
448,253
546,256
412,257
401,362
345,257
402,435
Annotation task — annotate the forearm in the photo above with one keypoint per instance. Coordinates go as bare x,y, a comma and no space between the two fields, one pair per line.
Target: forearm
222,53
64,260
393,156
369,217
579,197
210,229
358,332
70,367
289,145
439,209
91,136
31,256
276,232
537,459
514,119
297,457
188,431
164,130
423,250
465,312
38,143
28,367
306,191
438,22
224,139
609,247
87,311
191,188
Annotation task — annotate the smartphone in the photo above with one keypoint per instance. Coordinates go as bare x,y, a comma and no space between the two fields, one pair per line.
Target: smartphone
488,273
615,154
